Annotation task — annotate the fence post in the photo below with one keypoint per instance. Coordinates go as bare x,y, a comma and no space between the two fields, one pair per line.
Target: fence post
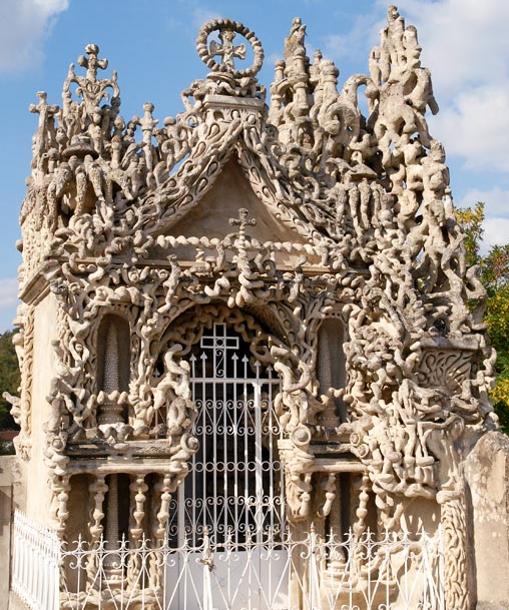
208,565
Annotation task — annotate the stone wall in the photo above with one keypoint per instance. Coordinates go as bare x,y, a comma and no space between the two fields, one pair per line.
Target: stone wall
40,412
7,470
487,473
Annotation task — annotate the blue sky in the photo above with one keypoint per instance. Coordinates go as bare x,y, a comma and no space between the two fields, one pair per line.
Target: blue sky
151,45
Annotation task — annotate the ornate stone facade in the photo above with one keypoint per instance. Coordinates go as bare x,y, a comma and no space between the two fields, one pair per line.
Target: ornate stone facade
322,233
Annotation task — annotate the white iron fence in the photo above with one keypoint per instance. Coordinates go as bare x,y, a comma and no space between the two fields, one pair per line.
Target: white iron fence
392,573
36,563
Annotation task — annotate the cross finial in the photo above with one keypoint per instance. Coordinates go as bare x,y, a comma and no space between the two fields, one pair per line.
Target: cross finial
227,30
91,89
240,241
45,125
227,50
92,63
243,221
42,108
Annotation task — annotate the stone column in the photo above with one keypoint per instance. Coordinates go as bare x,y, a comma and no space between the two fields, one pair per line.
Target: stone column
112,566
110,411
454,528
336,562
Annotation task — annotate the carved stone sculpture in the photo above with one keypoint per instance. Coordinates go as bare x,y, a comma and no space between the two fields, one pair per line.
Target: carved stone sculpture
347,217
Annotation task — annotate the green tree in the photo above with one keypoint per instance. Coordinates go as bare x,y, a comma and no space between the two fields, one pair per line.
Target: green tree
9,378
494,267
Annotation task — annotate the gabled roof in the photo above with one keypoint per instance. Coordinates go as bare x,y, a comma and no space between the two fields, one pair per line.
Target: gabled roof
243,144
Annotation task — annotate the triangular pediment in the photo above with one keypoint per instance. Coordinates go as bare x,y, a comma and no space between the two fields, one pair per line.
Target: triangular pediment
231,191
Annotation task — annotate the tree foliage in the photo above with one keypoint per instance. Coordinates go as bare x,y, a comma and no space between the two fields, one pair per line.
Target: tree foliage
9,378
494,273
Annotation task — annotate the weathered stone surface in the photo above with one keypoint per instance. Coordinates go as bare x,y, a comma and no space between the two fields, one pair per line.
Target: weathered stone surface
487,472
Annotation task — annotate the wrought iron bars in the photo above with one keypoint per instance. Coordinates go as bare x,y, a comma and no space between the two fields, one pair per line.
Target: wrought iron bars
235,480
261,573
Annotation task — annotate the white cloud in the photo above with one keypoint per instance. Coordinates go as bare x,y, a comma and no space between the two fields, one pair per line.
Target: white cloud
495,199
464,41
355,43
194,16
475,124
466,46
496,232
23,27
8,292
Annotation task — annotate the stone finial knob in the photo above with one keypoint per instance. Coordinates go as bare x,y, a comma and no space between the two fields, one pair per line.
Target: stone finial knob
91,60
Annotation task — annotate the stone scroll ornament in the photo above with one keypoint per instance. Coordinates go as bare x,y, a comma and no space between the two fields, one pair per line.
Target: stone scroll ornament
367,196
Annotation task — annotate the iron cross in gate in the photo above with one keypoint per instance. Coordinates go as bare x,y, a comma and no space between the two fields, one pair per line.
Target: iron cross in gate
227,50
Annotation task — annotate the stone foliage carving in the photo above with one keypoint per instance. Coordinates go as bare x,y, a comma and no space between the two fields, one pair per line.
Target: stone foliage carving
368,199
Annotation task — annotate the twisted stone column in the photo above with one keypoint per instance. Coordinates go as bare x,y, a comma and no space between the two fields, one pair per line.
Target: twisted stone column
112,565
110,411
454,528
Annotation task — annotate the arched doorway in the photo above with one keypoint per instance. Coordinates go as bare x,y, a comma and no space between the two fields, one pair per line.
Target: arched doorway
233,496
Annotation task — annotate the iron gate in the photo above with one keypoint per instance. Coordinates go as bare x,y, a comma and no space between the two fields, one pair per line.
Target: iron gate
233,493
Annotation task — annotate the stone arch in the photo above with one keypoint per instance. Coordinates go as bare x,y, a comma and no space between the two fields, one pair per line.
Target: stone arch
187,328
295,404
171,379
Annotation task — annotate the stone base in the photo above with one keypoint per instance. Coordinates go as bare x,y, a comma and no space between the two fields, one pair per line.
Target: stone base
15,603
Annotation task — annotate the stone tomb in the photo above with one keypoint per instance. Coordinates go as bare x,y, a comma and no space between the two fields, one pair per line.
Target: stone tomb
251,327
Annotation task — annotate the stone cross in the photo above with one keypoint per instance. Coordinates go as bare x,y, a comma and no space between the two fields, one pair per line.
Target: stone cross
46,113
92,62
42,108
243,221
227,50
